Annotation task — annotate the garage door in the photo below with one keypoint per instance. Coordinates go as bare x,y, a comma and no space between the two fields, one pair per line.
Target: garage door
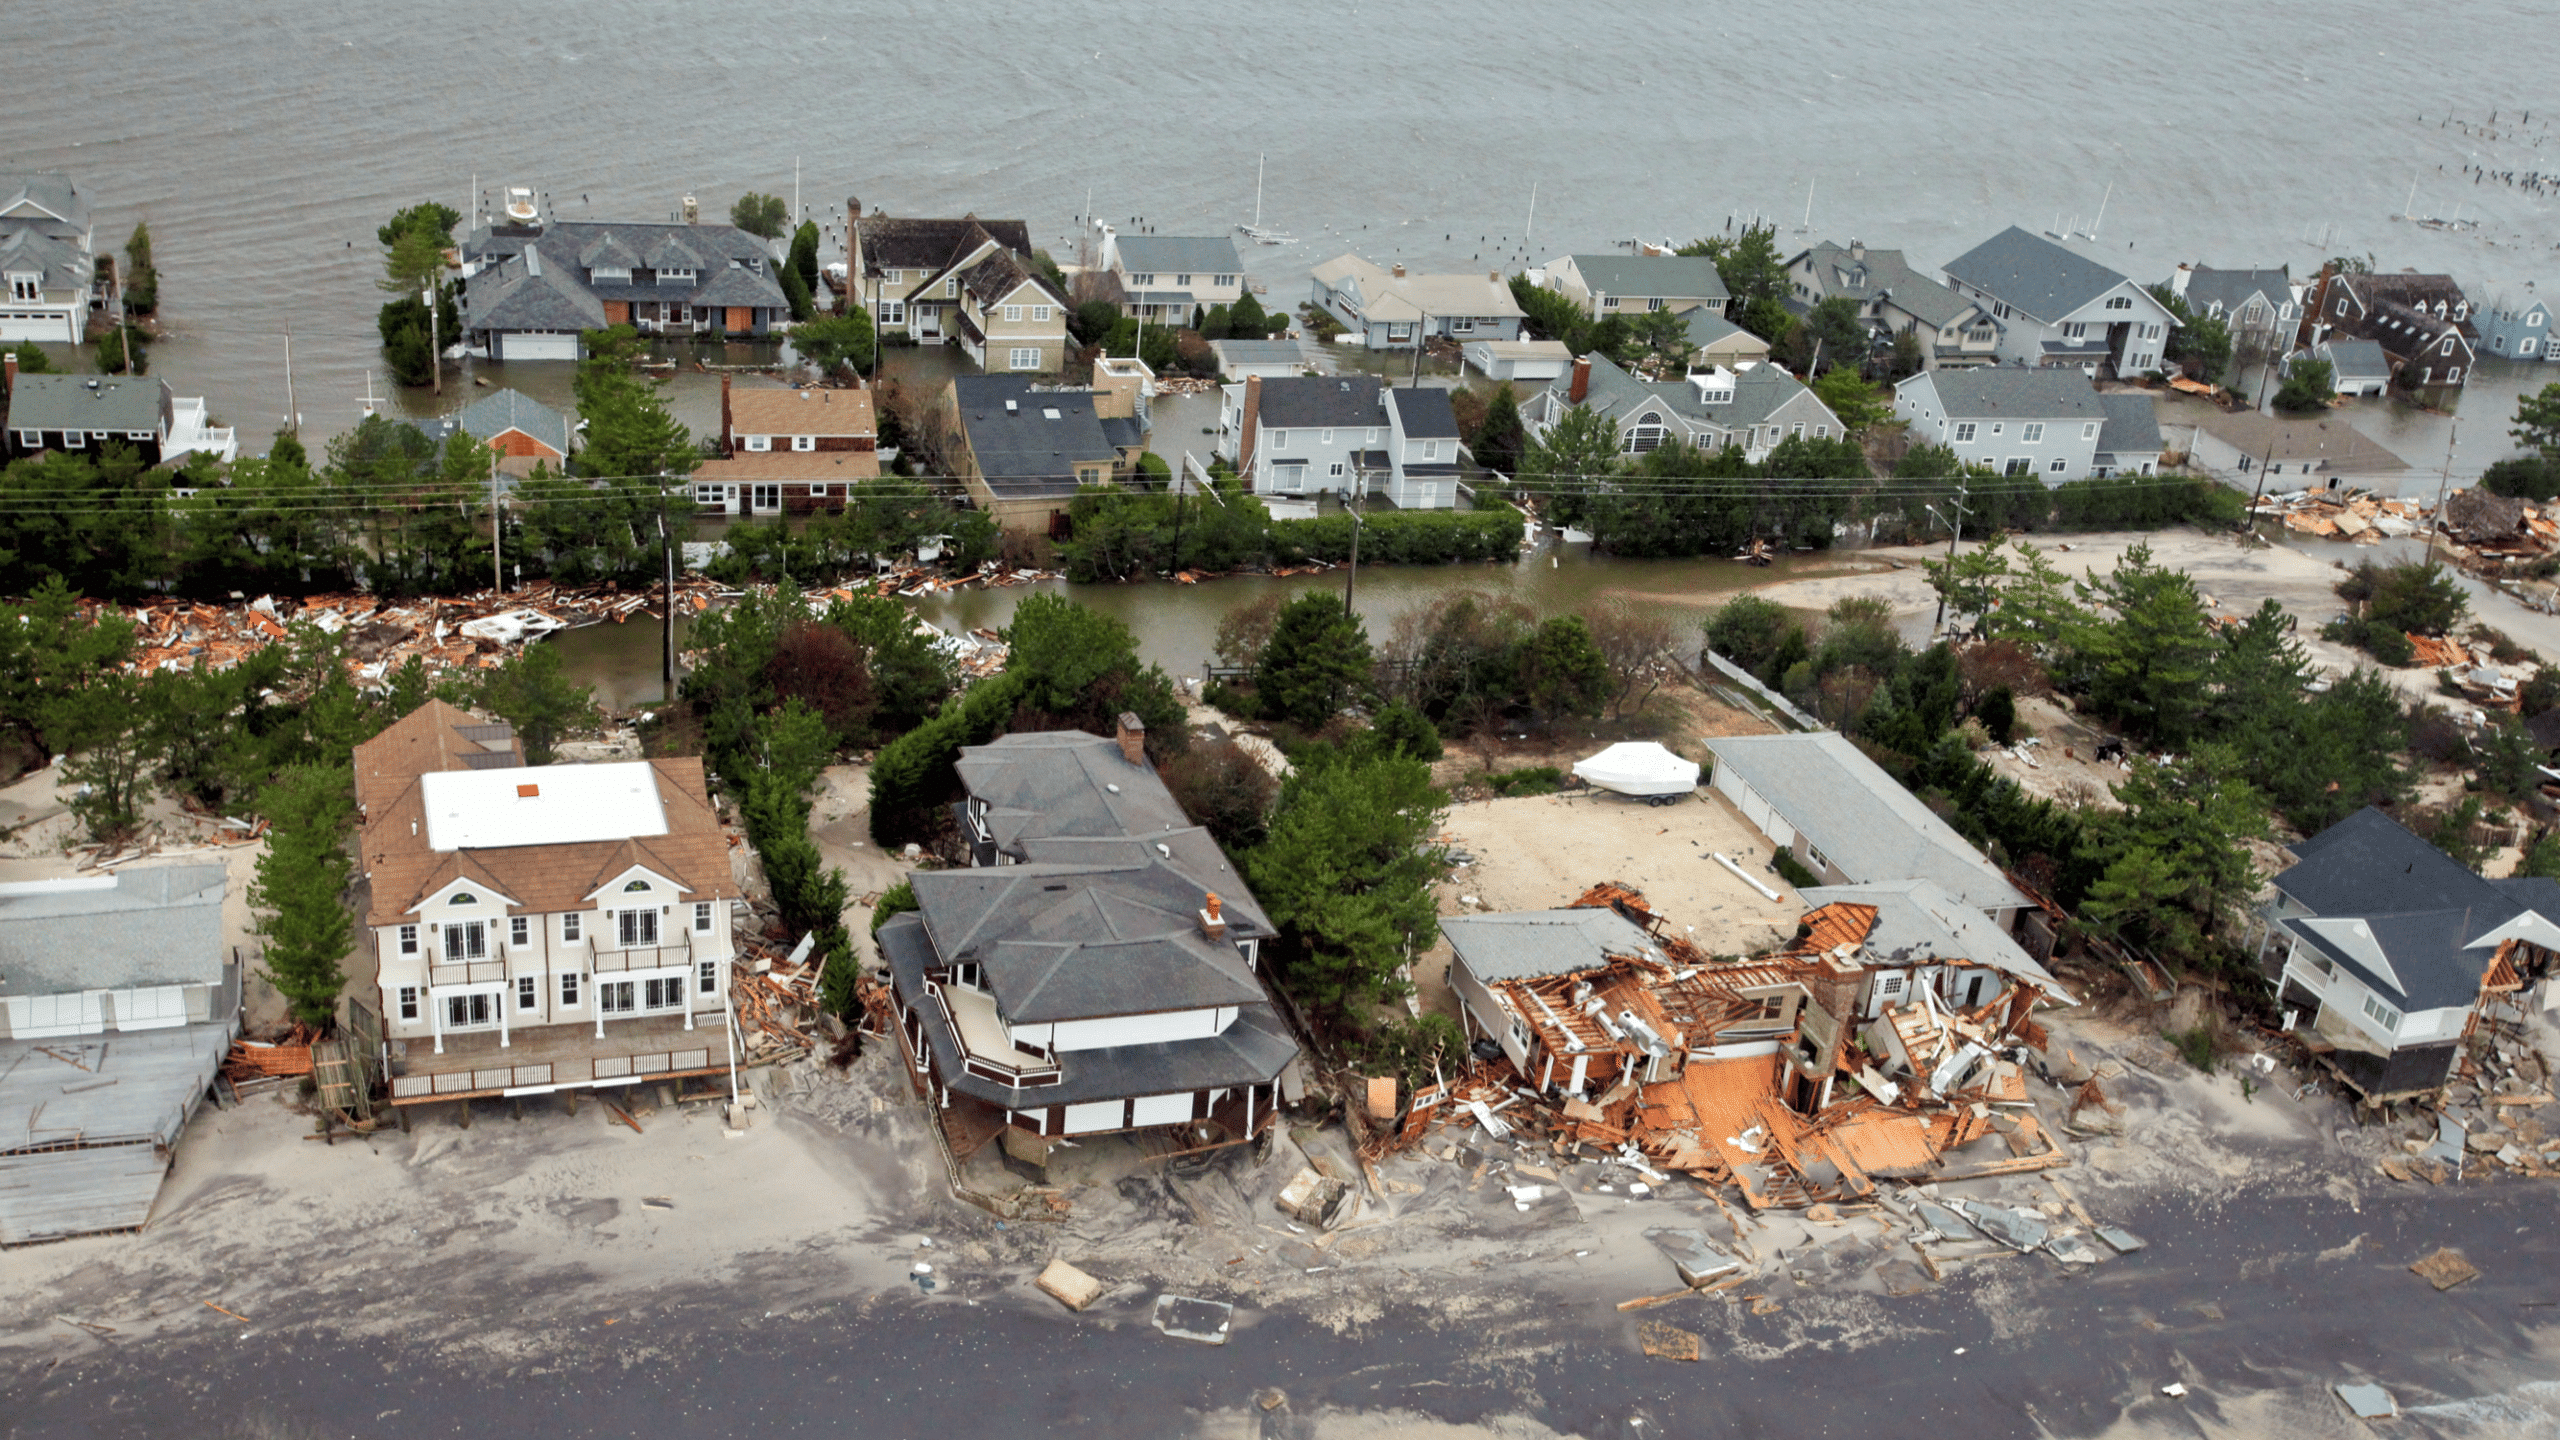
538,347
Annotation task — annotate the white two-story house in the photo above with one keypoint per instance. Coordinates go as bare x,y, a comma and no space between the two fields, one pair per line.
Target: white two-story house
45,261
540,928
970,282
1384,308
2391,952
2047,423
2056,307
1094,970
1754,408
1422,449
1162,279
1306,435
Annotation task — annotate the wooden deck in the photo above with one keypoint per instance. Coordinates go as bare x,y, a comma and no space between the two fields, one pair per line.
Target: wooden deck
558,1056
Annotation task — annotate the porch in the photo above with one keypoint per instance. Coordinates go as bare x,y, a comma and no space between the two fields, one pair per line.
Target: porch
559,1057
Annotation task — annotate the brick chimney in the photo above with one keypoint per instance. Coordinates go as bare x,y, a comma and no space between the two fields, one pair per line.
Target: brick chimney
1133,738
725,430
1213,922
1252,424
1857,249
8,372
1581,380
1399,271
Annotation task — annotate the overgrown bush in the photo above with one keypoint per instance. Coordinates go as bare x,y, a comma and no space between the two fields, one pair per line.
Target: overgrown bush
1223,789
1527,780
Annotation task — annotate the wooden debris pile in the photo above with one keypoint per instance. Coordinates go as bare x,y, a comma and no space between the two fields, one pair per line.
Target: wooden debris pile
776,998
288,1054
2352,515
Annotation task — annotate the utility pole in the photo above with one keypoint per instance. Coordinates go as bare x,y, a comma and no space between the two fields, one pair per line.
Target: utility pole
1964,487
1352,580
666,597
2263,462
435,340
1179,484
1421,337
2452,431
497,520
293,411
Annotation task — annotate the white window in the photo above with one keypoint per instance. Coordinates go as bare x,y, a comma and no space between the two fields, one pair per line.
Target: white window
759,443
569,926
137,435
32,439
1023,357
1821,432
675,277
26,287
2453,376
2448,345
1325,436
519,930
893,276
1608,302
2018,466
2382,1015
1279,439
1146,279
528,993
1653,304
408,1002
1964,432
2032,433
1995,427
71,440
1040,314
617,997
1335,469
804,442
1369,437
951,286
1430,449
2074,330
1799,430
408,939
1013,314
702,917
1643,438
2119,302
1399,332
1462,325
2089,431
1222,280
893,312
707,977
635,928
468,940
569,992
470,1012
2059,465
665,992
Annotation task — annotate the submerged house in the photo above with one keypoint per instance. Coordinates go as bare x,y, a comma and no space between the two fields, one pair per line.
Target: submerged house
45,260
788,451
530,288
117,1005
2394,955
1094,969
2057,307
540,928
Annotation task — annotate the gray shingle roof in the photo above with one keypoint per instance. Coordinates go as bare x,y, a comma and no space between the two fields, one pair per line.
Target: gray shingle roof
526,292
899,244
1081,942
733,286
2033,274
1757,394
1258,352
1992,392
1424,413
494,415
1857,816
2355,359
1023,453
1064,783
1533,944
1319,401
1178,254
2133,424
48,191
147,926
1664,276
1706,327
60,260
2418,907
2231,289
1252,1051
114,403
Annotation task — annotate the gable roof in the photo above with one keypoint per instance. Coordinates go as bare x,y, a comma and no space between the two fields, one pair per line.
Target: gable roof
1424,413
1917,922
1080,942
1178,254
1536,944
1992,392
1707,327
114,403
494,415
59,259
434,737
1384,295
899,244
2034,274
2328,438
1672,277
1322,401
1870,827
1886,275
2351,357
1759,391
44,197
781,410
1000,274
2405,918
1232,353
2133,424
1030,451
1064,783
523,292
2232,289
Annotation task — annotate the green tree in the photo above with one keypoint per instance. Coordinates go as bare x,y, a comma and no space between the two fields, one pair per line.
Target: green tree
430,217
1750,265
1316,661
2145,657
121,351
2308,385
2178,852
1753,632
1846,393
795,292
1563,672
1499,436
112,760
2200,346
630,432
142,279
2421,599
301,884
533,693
1576,456
412,261
1346,874
1906,358
1836,335
32,360
804,253
2523,477
1400,729
1246,319
762,216
2538,421
836,342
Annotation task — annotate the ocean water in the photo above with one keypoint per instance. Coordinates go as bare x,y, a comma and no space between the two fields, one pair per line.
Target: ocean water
265,142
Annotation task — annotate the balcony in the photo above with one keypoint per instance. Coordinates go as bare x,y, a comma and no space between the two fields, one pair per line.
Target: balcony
675,953
986,1046
190,432
555,1057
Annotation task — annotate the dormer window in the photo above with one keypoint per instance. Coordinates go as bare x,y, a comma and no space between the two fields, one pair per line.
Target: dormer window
635,886
675,277
804,442
26,287
759,443
465,898
610,275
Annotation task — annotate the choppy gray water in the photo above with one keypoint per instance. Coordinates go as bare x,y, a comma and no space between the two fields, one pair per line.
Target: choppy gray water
265,142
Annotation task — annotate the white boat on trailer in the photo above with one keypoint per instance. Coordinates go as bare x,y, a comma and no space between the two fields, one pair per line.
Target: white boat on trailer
1639,769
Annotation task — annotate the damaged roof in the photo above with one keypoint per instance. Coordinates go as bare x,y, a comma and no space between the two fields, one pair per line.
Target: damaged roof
1870,827
1533,944
1917,922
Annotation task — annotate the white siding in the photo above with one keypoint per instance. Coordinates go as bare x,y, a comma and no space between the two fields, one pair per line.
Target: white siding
155,1007
1104,1034
1094,1115
1160,1109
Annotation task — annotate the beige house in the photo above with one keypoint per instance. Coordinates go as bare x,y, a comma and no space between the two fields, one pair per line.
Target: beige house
1631,285
540,928
967,281
1162,279
1022,453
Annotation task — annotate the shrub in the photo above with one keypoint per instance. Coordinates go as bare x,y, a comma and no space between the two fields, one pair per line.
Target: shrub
1527,780
1403,730
1242,704
1794,872
1223,789
1999,714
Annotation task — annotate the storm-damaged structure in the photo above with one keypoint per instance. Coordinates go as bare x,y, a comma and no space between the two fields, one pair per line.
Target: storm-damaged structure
1886,1042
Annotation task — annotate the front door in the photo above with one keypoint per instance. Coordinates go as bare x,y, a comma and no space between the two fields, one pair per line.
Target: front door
767,500
470,1012
928,322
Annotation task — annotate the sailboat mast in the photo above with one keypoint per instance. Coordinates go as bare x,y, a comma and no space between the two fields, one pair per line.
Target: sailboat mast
1259,161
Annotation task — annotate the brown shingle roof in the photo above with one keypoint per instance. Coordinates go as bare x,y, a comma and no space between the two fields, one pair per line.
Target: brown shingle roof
932,244
817,467
434,737
801,412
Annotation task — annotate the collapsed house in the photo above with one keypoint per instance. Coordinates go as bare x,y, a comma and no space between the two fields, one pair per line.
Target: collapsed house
1883,1044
